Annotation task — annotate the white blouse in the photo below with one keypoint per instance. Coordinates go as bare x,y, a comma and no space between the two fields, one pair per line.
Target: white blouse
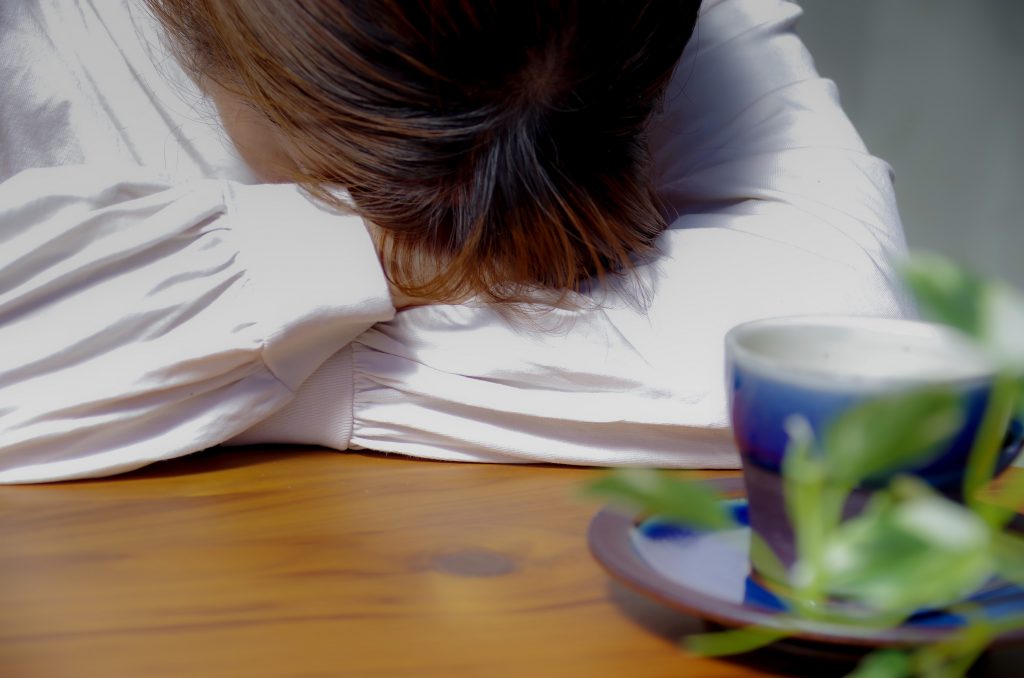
153,303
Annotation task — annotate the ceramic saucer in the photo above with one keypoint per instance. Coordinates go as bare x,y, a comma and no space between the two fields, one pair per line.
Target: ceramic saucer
707,574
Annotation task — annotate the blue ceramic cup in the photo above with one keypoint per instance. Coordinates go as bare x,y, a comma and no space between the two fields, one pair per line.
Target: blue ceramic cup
820,366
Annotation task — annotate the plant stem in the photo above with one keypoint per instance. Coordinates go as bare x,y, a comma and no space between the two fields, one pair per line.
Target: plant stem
981,464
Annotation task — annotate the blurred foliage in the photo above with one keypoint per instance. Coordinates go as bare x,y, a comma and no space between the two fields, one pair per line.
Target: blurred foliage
910,548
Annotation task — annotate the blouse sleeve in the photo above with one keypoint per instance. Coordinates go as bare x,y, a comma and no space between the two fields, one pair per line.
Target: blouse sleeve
140,321
748,125
777,209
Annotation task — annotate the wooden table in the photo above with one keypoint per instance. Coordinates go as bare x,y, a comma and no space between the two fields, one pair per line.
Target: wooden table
302,562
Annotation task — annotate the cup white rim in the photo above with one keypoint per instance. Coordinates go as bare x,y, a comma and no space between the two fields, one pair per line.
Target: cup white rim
751,360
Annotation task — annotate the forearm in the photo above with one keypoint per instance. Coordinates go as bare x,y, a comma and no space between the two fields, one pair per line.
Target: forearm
140,321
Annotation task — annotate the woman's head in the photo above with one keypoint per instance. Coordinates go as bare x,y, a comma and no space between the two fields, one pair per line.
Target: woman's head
502,139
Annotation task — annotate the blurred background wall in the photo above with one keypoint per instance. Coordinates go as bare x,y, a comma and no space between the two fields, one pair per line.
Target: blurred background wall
936,87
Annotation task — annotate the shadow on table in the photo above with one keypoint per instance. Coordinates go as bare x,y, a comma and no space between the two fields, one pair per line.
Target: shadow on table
228,458
218,459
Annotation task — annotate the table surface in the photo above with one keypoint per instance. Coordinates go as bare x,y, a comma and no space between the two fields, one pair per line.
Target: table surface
303,562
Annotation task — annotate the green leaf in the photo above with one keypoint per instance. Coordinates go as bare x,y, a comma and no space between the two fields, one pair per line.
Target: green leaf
765,559
1020,399
946,292
803,477
884,664
890,433
1002,326
990,312
732,641
910,548
1001,504
988,443
688,502
1008,551
953,656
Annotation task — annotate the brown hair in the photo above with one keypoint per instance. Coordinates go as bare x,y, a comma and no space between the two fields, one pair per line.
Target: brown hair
500,141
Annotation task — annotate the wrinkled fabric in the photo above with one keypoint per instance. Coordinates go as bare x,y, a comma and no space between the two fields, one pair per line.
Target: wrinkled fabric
152,305
141,321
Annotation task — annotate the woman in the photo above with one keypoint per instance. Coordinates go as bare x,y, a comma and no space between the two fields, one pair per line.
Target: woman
146,318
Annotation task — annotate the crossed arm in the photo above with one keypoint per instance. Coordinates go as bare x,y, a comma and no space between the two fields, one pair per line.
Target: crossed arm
145,318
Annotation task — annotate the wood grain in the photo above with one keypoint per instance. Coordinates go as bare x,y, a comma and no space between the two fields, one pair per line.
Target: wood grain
301,562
